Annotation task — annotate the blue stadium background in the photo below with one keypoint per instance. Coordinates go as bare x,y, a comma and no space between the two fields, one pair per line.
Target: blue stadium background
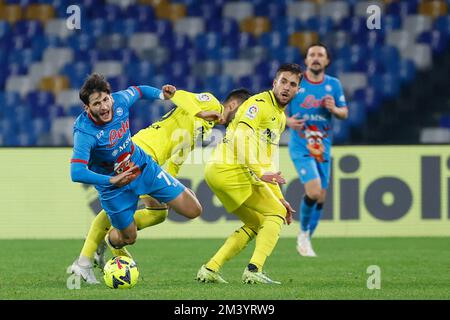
390,76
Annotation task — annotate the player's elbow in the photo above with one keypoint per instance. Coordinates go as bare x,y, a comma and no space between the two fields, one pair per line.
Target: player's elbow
75,173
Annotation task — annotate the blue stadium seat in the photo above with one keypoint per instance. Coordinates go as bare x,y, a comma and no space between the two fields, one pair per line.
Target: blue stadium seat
124,55
223,53
5,30
189,83
96,27
164,29
273,40
389,55
208,41
74,111
287,25
140,72
108,12
442,24
406,69
125,27
81,41
90,56
354,25
40,126
177,42
369,66
219,85
39,98
23,57
435,38
224,26
387,84
271,10
77,72
13,69
28,28
371,39
444,122
140,13
369,97
321,24
402,8
354,53
286,54
341,131
119,82
177,69
339,65
19,42
9,99
391,22
42,42
207,11
357,113
158,81
255,83
57,111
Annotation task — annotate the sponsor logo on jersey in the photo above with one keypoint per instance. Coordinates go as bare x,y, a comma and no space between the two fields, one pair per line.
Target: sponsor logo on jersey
251,112
342,98
328,88
119,112
116,135
203,97
311,102
100,134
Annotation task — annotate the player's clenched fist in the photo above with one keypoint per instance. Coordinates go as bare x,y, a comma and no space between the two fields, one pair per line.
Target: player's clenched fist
168,91
125,177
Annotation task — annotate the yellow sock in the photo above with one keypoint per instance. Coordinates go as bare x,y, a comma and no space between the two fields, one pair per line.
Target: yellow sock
232,246
99,228
266,240
149,217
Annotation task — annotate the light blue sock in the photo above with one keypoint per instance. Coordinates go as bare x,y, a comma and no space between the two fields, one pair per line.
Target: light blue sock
315,217
306,208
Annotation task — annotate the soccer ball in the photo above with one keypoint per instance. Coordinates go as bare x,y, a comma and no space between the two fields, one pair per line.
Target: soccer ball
120,273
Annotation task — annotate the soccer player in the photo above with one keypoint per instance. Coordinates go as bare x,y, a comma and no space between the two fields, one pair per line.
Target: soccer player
105,155
309,118
242,174
168,141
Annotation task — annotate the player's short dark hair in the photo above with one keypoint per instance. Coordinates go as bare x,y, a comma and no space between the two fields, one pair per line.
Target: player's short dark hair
290,67
320,44
94,83
240,94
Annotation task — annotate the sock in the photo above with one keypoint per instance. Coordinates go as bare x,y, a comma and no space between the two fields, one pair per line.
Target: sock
99,228
266,240
315,217
232,246
149,217
306,209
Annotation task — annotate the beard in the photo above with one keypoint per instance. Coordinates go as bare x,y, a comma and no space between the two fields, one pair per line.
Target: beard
316,71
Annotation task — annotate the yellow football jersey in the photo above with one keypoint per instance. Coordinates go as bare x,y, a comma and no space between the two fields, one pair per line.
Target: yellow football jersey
172,137
233,178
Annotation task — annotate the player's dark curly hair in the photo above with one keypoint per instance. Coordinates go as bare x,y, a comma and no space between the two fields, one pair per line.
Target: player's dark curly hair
240,94
290,67
94,83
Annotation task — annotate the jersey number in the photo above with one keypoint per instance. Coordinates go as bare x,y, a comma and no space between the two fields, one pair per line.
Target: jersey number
162,175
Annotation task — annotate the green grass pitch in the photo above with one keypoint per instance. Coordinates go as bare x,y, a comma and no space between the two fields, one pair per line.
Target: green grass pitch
411,268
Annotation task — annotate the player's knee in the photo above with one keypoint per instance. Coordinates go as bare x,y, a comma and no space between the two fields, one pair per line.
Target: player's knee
314,194
195,210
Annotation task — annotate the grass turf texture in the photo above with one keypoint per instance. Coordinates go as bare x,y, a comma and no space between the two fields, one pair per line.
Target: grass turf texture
411,268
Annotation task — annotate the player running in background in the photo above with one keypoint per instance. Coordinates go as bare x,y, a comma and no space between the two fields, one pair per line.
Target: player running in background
242,174
105,155
168,141
309,118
